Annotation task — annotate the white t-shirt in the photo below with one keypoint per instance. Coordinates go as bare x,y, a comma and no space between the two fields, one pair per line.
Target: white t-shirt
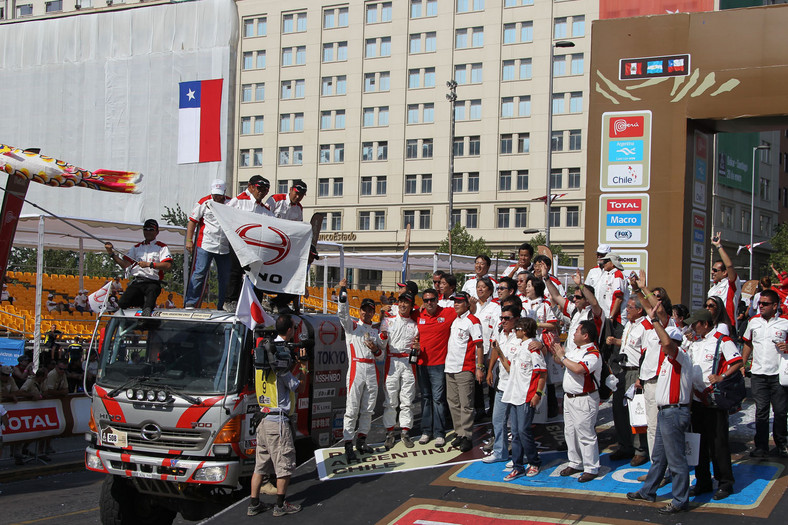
210,236
489,315
702,354
763,335
151,252
282,208
508,343
610,286
525,366
575,320
633,341
674,379
729,292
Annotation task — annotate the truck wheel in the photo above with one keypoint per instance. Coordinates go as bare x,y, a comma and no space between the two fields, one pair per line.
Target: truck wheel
121,504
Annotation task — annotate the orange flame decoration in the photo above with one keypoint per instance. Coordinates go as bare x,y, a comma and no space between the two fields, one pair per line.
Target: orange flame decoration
54,172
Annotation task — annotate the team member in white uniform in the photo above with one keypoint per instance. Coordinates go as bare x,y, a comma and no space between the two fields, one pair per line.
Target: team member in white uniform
363,346
674,389
524,255
595,273
145,263
502,347
481,266
710,421
251,199
765,339
399,332
448,289
583,308
288,205
581,401
725,281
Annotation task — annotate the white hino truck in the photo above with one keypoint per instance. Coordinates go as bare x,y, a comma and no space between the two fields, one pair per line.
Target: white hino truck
172,406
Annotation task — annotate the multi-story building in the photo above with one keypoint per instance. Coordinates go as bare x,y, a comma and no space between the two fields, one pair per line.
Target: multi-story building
351,97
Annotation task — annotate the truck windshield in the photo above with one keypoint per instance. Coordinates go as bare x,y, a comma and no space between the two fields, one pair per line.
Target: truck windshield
189,356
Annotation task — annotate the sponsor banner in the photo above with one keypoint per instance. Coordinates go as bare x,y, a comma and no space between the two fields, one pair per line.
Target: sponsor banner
34,420
698,285
700,172
625,160
633,260
734,160
698,234
654,67
328,376
324,392
10,350
321,408
623,221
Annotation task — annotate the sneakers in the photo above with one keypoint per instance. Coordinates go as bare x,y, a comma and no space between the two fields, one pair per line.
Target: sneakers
492,458
670,509
532,470
254,510
488,447
286,508
424,439
510,464
440,442
389,443
514,474
406,439
362,447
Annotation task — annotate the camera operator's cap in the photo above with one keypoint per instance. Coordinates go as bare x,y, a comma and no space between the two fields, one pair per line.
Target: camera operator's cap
614,258
410,286
150,224
367,302
603,249
259,181
300,186
701,314
218,187
674,333
460,296
407,296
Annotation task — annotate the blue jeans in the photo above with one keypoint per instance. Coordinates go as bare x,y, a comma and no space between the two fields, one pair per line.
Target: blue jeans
523,444
202,263
500,416
432,383
669,452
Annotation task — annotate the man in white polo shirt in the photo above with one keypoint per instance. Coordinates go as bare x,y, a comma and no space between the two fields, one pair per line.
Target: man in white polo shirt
725,281
765,339
674,388
288,205
464,362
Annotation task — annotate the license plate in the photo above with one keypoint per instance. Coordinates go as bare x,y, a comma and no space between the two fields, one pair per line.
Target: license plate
114,438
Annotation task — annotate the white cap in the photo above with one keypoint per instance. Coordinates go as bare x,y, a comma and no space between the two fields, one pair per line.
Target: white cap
218,187
674,333
603,248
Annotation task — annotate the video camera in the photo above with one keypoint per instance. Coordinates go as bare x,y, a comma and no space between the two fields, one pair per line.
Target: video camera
279,356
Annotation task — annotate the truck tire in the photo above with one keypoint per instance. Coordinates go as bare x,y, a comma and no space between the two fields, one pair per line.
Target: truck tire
121,504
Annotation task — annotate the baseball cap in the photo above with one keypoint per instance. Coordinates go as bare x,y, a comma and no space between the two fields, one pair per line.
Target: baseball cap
411,287
218,187
259,181
407,296
674,333
299,186
460,296
367,302
150,224
700,314
613,257
603,248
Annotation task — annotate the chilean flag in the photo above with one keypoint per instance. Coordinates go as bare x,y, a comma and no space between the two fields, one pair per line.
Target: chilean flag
199,114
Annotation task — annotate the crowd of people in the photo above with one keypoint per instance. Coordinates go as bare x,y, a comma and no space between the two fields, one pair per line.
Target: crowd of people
502,334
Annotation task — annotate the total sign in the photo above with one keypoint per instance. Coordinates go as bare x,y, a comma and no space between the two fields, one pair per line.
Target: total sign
626,151
623,220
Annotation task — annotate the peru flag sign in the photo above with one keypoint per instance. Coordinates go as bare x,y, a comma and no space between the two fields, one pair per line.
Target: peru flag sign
199,115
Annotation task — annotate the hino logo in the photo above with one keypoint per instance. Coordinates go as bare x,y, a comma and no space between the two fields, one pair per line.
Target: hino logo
282,249
151,432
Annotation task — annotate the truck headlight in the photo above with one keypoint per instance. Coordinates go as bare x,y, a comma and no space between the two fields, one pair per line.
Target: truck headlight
210,474
222,450
93,462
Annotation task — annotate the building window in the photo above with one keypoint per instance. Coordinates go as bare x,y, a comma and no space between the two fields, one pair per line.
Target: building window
253,60
282,186
471,219
578,26
574,178
294,22
559,103
251,157
292,89
572,216
503,218
255,27
518,32
576,102
576,61
517,3
338,187
557,141
456,182
521,217
425,220
378,183
291,155
380,81
559,30
335,17
364,220
523,143
466,6
331,86
508,141
294,56
378,47
469,37
376,117
555,217
332,119
253,92
766,225
336,220
331,153
458,148
519,69
252,125
421,113
504,181
556,177
408,219
473,182
506,144
378,12
422,8
291,122
424,77
410,184
334,52
366,186
422,43
727,216
575,139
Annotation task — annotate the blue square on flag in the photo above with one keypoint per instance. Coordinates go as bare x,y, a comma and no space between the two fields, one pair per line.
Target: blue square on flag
190,95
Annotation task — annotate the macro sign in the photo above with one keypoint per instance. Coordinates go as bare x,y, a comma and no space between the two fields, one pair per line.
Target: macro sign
623,219
625,160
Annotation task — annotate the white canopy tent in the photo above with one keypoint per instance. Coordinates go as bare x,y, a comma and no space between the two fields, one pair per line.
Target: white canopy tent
48,232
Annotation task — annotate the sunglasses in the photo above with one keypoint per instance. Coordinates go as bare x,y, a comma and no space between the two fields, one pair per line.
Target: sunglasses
506,318
436,282
429,299
762,303
711,305
717,270
577,297
502,288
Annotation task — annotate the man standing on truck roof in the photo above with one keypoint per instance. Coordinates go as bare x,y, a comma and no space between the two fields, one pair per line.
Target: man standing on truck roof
363,345
275,445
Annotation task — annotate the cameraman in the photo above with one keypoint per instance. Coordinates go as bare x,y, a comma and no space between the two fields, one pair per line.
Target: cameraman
275,445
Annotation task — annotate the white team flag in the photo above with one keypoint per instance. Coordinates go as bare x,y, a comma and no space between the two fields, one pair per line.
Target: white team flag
98,299
249,311
275,250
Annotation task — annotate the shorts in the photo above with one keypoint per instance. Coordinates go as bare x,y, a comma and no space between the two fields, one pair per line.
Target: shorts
275,449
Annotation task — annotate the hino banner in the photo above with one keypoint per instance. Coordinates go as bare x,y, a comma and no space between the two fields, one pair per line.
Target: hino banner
276,251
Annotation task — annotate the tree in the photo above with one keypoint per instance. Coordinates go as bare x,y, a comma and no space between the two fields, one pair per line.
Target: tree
176,217
558,251
463,243
779,258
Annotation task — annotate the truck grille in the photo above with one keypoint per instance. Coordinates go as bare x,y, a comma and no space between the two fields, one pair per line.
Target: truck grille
170,439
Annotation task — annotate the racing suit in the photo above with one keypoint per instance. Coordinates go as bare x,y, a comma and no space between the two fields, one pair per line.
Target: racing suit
362,381
400,333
